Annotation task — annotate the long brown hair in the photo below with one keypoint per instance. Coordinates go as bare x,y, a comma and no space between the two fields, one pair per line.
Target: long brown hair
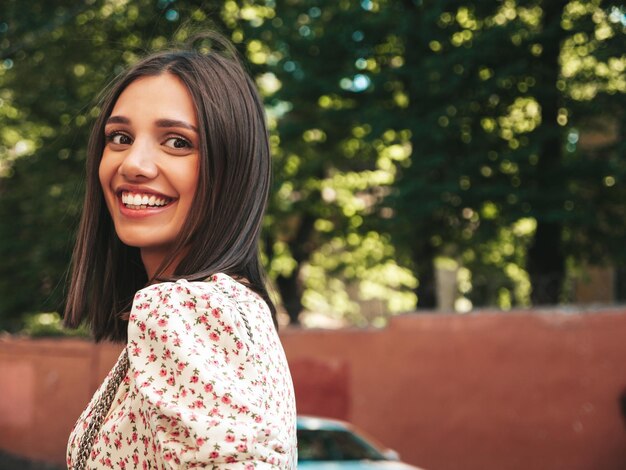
221,233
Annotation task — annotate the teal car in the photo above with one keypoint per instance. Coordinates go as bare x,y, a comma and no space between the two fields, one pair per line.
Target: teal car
329,444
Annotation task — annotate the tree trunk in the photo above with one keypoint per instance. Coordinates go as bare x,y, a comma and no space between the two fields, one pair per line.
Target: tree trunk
291,294
290,287
546,262
426,291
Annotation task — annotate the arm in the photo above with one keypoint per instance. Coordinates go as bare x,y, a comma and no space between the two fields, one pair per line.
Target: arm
198,379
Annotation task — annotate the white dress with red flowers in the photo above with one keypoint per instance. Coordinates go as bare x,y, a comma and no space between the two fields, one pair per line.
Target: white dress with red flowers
202,390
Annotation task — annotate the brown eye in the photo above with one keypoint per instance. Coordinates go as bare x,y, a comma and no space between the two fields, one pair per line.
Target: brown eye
177,143
118,138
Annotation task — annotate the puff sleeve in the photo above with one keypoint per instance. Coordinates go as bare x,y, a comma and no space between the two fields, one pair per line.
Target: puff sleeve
210,394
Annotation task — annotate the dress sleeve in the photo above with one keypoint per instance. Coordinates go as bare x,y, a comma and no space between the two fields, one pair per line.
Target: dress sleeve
197,380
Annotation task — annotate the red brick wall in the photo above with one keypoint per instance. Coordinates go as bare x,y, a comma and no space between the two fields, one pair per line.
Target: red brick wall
481,391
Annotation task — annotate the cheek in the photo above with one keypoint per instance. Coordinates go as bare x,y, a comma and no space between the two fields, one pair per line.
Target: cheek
188,177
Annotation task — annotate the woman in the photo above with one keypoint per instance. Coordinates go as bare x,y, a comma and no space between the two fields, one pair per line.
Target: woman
177,183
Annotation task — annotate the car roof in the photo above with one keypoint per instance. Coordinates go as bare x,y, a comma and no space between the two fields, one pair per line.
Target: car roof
319,423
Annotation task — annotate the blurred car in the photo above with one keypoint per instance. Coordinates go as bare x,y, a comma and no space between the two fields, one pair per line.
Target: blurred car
327,444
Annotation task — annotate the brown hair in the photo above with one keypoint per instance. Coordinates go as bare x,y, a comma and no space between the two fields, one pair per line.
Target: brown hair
221,233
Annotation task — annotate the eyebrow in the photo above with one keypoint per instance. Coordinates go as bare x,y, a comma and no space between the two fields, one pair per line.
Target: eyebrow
118,120
159,122
175,123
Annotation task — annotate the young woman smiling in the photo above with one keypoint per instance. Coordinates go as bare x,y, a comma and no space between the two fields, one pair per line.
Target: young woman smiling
149,167
166,260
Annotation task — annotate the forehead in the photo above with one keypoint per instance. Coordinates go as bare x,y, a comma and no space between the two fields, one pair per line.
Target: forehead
162,96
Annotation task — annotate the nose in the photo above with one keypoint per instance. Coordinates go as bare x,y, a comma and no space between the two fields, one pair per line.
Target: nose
138,163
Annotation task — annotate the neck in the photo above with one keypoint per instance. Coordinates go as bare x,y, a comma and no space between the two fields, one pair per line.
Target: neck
152,260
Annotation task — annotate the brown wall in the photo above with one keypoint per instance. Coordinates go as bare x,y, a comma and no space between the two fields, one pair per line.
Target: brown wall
482,391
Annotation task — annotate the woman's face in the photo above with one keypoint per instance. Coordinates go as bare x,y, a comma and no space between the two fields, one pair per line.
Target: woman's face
150,163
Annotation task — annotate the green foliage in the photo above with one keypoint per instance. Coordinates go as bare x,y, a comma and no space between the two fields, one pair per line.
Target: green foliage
496,269
487,101
488,133
331,169
49,324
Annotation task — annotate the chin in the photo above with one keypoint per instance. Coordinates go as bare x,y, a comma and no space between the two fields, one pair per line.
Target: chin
137,240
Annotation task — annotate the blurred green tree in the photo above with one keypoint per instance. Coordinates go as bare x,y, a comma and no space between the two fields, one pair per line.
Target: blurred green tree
482,103
330,172
403,131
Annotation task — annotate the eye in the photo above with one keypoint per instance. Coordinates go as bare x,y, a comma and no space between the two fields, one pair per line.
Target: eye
177,143
118,138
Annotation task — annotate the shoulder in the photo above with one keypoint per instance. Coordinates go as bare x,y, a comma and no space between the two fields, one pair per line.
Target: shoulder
214,395
219,291
215,288
198,310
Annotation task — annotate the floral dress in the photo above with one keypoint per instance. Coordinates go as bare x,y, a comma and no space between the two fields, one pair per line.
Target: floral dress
203,389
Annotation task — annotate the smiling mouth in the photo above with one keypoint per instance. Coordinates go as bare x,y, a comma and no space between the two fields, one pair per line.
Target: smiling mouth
138,201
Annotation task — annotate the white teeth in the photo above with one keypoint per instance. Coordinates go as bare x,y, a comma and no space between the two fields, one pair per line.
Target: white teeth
137,201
